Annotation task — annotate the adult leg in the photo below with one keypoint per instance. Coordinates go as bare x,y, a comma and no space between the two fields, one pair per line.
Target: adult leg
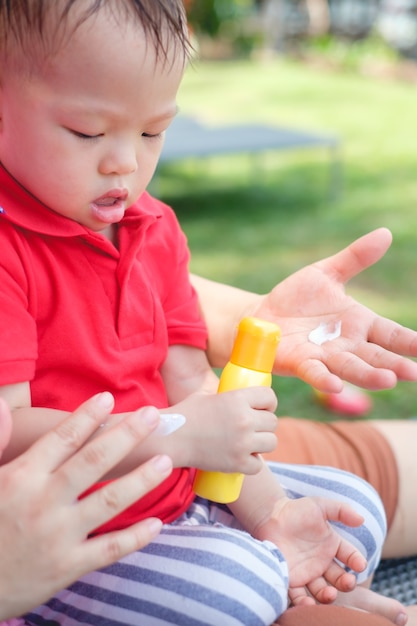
402,436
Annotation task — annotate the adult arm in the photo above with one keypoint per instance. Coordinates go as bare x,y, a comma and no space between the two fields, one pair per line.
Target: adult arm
44,528
371,350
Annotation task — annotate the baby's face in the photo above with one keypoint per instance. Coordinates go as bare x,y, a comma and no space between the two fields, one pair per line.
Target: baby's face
84,134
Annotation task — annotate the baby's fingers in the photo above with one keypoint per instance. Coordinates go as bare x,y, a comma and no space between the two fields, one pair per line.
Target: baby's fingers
351,557
339,578
340,512
322,591
325,588
298,596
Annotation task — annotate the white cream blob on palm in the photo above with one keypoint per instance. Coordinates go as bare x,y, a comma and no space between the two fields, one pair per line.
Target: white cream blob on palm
325,332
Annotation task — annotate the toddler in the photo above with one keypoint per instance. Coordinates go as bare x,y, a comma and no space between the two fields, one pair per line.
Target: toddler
96,295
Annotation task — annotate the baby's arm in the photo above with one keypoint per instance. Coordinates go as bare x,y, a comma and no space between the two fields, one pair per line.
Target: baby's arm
29,423
300,529
223,432
186,370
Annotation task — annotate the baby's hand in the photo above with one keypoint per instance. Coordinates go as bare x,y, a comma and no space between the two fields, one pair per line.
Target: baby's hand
310,545
226,432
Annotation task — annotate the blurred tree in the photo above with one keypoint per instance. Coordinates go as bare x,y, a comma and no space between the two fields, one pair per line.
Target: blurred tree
283,21
319,15
353,19
280,25
273,23
397,23
203,17
208,16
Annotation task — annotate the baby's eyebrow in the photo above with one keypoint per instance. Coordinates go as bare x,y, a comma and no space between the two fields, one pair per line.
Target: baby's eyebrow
82,113
168,115
94,109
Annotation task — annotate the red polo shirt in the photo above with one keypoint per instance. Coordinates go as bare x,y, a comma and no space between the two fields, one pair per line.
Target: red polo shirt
79,316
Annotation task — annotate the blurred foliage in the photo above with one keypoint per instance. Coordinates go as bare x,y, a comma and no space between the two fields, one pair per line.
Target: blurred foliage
350,55
209,16
285,25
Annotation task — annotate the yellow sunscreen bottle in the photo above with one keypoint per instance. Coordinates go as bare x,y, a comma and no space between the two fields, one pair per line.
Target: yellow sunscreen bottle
250,365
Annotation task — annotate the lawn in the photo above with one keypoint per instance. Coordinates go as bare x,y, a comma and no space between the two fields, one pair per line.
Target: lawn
252,221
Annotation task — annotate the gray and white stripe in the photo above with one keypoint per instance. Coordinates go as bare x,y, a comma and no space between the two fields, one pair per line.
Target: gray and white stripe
204,570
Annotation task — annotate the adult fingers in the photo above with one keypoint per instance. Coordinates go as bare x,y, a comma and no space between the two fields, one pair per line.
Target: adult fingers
101,454
54,448
117,495
103,550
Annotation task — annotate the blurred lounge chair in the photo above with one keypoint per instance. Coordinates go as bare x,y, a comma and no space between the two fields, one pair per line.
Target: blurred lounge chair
188,138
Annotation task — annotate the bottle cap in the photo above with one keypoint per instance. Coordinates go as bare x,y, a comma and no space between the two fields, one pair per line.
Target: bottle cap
256,344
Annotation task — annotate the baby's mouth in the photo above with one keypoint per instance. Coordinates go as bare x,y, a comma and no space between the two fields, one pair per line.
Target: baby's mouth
110,208
106,201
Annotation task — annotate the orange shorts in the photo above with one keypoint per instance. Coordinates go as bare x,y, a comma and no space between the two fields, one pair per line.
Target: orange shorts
355,446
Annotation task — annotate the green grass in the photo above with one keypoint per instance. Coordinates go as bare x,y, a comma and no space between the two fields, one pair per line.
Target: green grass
250,222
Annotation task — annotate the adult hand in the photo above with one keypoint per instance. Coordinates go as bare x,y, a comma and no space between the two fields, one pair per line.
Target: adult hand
368,351
44,528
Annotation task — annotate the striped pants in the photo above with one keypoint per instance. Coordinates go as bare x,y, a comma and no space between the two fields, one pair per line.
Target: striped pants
205,570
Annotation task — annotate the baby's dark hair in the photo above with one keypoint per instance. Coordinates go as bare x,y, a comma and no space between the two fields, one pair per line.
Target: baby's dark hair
21,19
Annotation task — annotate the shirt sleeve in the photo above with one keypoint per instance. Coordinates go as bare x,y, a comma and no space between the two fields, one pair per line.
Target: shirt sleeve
18,335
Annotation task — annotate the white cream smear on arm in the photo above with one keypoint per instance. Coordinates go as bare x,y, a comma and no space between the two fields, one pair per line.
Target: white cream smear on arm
325,332
169,423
